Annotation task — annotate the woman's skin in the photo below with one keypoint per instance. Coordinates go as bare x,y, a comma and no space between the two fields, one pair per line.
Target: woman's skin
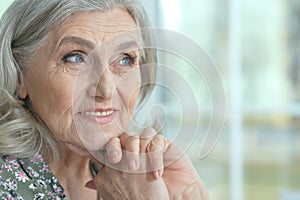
49,80
179,177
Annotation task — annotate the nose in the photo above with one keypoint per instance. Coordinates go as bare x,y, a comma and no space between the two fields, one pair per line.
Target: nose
104,87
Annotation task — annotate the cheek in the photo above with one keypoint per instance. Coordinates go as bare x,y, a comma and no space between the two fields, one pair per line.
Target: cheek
52,100
128,88
132,100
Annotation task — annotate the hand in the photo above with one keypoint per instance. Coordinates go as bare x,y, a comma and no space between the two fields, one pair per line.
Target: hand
126,175
179,176
177,171
117,185
135,154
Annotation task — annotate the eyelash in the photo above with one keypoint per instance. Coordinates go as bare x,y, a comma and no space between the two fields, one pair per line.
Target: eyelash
132,59
116,66
73,54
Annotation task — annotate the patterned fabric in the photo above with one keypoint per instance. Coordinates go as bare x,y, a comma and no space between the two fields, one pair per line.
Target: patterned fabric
28,179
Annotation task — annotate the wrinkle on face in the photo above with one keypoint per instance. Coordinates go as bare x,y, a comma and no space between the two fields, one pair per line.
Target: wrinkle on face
50,81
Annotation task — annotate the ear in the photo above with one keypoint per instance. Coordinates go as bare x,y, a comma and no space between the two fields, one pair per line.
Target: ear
21,87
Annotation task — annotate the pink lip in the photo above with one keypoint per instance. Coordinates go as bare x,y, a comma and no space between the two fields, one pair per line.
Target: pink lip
98,119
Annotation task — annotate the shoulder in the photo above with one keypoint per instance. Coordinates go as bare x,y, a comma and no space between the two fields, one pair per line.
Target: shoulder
10,173
8,166
27,179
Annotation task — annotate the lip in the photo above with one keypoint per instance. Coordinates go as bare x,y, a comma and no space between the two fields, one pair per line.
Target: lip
99,115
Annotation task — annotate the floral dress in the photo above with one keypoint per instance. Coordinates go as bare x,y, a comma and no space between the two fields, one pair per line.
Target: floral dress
28,179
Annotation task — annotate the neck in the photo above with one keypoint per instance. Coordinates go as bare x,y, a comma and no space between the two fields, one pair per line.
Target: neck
72,172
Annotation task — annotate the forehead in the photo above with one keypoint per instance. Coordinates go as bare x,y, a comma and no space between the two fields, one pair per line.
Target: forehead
94,26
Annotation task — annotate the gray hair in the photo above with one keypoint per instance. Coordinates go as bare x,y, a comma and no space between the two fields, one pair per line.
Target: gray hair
24,26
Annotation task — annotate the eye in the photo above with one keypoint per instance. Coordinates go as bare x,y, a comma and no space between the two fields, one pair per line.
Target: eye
124,64
73,57
128,60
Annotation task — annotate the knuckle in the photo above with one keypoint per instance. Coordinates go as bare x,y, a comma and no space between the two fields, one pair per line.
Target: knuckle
115,142
158,143
148,133
132,144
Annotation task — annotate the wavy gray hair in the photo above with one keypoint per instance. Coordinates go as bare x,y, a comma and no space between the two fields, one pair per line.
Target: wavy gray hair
24,26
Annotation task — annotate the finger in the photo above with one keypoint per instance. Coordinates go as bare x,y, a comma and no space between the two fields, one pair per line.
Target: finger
145,138
131,145
114,151
148,133
155,150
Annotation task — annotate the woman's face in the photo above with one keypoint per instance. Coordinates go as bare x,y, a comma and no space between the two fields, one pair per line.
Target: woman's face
85,93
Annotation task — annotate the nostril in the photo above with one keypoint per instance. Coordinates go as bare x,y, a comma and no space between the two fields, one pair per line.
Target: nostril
105,86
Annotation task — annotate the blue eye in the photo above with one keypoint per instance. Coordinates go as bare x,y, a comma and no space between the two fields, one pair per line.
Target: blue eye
124,64
127,61
73,58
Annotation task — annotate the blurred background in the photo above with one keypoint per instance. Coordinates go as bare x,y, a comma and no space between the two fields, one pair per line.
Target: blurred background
255,45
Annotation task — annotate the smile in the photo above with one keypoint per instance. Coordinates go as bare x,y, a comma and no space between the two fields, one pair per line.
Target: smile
99,116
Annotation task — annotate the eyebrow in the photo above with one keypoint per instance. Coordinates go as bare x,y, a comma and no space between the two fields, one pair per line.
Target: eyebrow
127,45
77,40
91,45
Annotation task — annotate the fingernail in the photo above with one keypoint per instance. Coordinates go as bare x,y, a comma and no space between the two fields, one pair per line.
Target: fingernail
132,165
114,156
160,172
114,153
156,175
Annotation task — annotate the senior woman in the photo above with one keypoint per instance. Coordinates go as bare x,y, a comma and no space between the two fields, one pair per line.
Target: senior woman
54,115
